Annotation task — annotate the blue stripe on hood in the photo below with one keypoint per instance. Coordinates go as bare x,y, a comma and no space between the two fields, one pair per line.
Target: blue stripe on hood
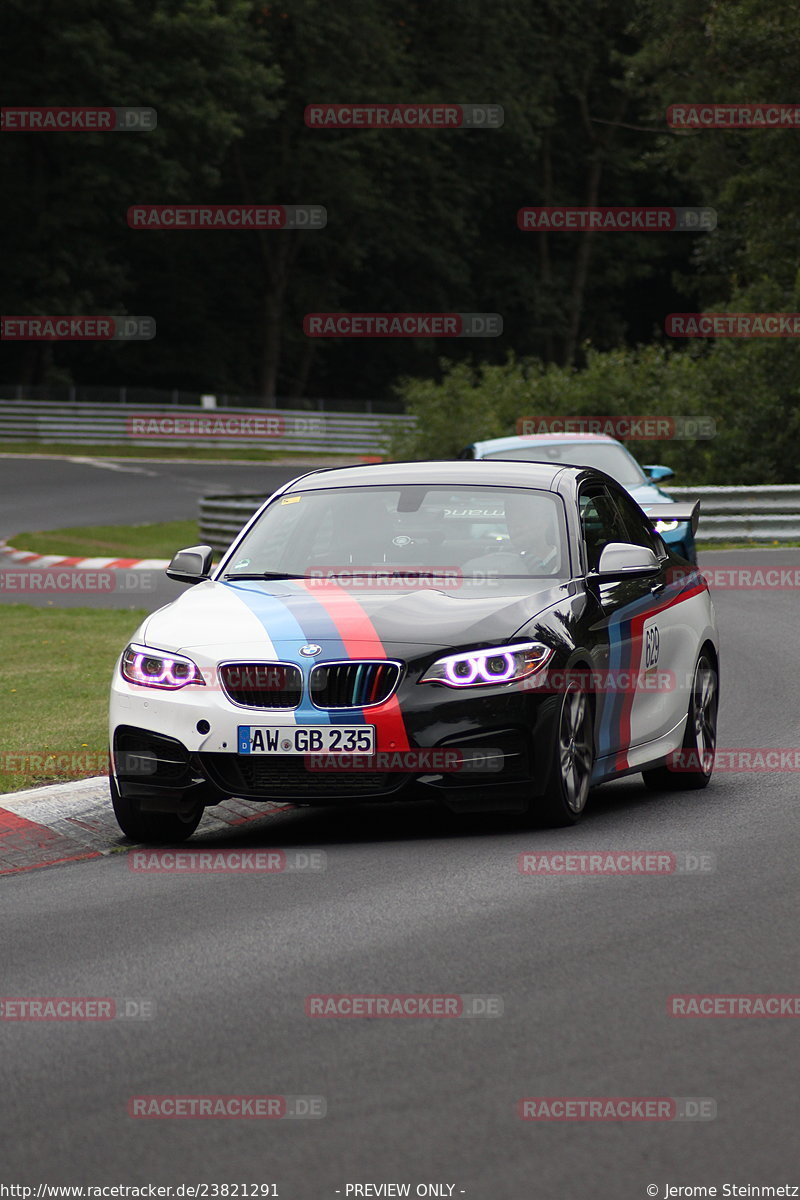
292,621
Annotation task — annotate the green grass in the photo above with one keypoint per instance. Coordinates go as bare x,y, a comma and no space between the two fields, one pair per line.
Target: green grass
159,540
54,678
126,450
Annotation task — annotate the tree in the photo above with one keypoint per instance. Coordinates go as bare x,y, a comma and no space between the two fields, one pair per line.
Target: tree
200,63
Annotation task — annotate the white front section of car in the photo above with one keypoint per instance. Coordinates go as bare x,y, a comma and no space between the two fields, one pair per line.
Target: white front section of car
187,626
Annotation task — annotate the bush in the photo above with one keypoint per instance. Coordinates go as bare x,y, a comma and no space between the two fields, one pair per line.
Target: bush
749,388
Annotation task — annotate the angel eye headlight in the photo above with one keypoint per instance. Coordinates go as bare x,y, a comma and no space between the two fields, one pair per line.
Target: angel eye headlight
158,669
485,668
665,526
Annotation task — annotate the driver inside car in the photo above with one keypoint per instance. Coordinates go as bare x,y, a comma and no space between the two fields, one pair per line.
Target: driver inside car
532,547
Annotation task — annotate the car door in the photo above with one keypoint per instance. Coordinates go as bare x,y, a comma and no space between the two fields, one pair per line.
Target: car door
662,633
622,716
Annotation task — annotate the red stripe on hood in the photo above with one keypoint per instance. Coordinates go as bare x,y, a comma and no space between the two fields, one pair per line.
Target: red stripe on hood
361,641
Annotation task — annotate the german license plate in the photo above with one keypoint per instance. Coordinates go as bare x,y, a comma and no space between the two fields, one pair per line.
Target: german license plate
306,739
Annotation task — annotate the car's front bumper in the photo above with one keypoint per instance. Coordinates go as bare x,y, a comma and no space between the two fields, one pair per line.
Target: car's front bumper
171,747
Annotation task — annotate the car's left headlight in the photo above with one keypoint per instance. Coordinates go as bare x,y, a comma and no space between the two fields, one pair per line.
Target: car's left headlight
158,669
489,667
665,526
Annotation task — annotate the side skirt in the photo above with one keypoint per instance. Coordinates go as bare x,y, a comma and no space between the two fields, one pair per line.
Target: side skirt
640,757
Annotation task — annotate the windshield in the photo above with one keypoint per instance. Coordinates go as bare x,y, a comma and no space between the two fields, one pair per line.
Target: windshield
420,530
614,460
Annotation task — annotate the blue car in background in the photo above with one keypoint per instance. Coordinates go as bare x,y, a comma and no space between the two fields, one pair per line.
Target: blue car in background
609,455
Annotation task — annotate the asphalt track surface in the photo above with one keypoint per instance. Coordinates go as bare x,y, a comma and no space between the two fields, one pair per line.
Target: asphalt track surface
53,493
414,900
36,492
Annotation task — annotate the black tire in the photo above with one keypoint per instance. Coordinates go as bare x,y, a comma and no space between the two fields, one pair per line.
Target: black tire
696,763
152,826
569,777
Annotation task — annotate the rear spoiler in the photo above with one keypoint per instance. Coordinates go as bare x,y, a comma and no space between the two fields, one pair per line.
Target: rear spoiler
675,512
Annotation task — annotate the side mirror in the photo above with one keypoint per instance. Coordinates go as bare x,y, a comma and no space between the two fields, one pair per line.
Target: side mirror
657,474
191,565
623,560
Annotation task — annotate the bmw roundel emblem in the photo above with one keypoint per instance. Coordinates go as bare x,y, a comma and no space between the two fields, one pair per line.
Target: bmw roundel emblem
311,650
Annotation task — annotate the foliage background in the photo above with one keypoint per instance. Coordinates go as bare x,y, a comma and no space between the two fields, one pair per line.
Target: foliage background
418,220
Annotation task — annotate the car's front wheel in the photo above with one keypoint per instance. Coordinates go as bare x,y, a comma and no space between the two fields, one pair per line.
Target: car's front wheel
570,774
694,762
159,827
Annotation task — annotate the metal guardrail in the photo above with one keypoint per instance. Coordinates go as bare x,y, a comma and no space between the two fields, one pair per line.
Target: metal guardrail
726,513
770,513
64,393
221,518
182,426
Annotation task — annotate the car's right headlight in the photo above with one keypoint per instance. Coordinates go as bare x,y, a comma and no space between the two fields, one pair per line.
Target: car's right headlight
494,665
158,668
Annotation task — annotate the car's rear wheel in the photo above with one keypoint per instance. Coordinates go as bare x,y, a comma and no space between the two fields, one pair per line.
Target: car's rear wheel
695,760
570,774
144,826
